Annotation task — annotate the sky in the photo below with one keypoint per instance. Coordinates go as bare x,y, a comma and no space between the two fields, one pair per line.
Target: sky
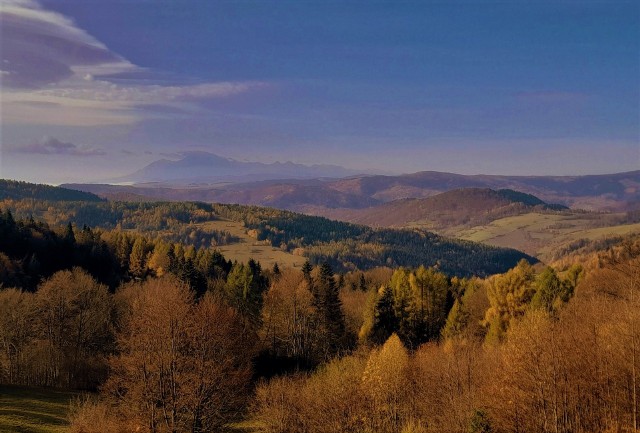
95,89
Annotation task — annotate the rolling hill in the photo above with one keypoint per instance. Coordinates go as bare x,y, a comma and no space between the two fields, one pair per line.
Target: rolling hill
344,245
504,218
16,190
611,192
466,206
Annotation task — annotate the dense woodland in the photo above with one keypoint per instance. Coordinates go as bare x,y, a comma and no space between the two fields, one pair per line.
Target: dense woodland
345,246
174,338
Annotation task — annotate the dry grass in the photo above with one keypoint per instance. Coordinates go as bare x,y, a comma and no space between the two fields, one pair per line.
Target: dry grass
250,248
540,234
34,410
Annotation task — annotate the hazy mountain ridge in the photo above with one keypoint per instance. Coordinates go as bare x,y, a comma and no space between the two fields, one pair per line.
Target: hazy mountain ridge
590,191
612,192
205,167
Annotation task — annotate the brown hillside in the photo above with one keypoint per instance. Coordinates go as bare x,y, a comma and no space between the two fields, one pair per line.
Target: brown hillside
468,206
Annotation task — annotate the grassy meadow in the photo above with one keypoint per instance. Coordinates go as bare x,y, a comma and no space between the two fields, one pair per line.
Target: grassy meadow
540,234
249,247
34,410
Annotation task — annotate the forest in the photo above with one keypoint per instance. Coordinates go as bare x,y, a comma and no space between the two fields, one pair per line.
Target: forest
347,247
172,338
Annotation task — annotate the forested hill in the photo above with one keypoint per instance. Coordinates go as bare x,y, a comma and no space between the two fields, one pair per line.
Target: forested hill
348,245
465,206
343,245
16,190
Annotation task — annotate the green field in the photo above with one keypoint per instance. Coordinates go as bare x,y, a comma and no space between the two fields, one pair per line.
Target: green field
34,410
540,234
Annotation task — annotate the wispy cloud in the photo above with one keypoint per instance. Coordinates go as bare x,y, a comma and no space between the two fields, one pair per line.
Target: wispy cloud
40,47
57,73
53,146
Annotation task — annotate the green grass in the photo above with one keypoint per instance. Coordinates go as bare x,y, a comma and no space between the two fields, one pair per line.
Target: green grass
34,410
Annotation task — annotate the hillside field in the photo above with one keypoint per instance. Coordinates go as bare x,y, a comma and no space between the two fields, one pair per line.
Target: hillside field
540,234
34,410
248,247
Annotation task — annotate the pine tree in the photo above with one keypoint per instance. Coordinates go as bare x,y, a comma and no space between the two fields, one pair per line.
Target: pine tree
362,285
69,237
385,321
306,270
329,310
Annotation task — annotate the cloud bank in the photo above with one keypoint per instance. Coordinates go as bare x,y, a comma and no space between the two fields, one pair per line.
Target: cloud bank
57,73
53,146
40,47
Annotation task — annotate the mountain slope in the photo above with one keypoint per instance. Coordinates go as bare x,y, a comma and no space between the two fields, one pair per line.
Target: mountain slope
466,206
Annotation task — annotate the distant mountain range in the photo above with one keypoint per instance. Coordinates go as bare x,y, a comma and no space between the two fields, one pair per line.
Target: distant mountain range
205,167
611,192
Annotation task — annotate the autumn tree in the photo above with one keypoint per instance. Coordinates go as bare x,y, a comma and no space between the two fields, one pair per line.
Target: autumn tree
182,366
385,386
288,327
73,315
509,296
16,333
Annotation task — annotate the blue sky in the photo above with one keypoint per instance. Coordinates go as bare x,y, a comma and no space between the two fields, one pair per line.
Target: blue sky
95,89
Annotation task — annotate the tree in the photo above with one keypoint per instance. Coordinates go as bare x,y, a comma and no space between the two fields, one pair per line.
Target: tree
385,322
73,314
362,284
182,366
16,332
138,258
385,384
306,270
509,296
329,315
428,307
287,319
550,291
244,288
480,422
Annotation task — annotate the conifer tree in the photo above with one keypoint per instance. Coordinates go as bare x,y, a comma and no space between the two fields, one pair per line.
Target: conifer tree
385,321
306,270
330,317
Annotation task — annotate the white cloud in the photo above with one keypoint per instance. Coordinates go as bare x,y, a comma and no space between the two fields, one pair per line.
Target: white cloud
55,73
40,47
